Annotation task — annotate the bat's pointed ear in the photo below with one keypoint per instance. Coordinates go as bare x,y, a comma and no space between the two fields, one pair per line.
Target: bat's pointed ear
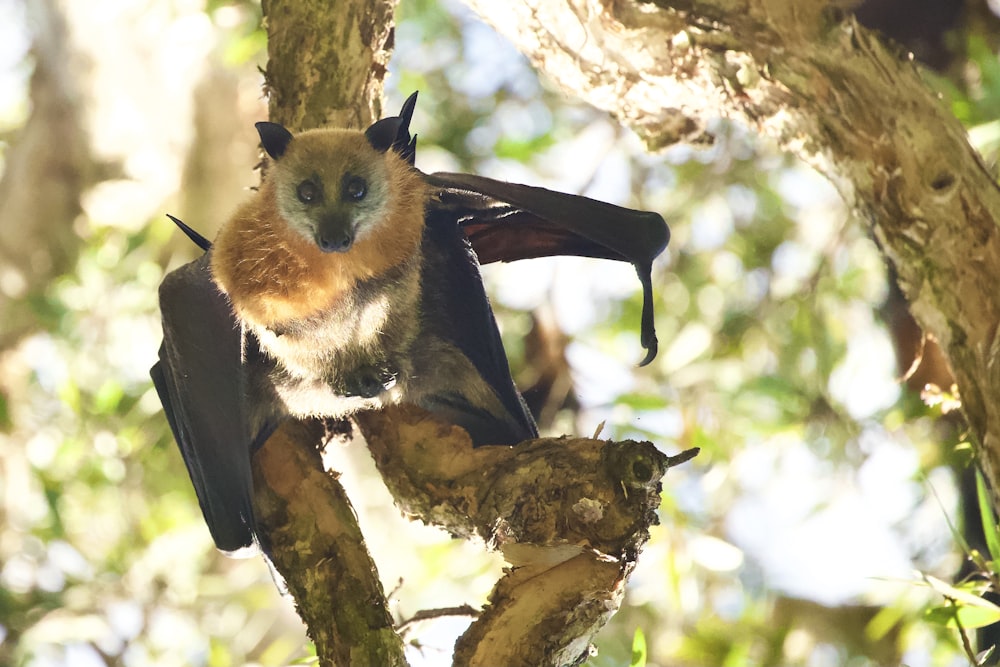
274,138
394,132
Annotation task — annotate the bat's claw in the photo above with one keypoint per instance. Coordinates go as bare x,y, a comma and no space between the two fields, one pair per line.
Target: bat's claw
370,382
651,350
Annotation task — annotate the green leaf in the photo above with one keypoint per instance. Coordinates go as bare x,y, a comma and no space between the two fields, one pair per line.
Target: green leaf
638,649
963,594
988,518
971,617
964,603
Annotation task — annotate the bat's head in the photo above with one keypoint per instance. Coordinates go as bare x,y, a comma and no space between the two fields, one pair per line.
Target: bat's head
337,207
336,187
331,186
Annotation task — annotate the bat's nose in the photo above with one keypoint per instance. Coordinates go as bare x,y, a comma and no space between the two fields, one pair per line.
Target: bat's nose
334,241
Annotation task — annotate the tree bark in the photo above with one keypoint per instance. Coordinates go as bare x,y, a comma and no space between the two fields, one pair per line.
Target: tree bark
570,515
830,92
327,61
312,538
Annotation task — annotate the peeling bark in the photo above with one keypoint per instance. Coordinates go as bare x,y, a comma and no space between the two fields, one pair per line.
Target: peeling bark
831,93
570,516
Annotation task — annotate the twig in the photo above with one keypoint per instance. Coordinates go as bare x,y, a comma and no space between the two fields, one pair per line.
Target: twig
428,614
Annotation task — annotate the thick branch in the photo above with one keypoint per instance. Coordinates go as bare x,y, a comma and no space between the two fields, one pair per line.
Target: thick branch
314,541
571,514
320,72
327,61
829,91
591,494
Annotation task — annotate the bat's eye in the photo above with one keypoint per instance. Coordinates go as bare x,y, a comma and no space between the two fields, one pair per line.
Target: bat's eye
307,192
355,188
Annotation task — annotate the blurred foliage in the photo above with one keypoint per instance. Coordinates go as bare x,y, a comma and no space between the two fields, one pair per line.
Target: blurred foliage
975,98
772,360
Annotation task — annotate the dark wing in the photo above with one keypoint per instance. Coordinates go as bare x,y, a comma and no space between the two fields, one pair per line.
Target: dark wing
456,309
201,382
507,221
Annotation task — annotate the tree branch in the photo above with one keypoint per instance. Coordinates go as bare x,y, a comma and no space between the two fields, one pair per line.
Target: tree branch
320,73
570,514
314,541
828,91
327,62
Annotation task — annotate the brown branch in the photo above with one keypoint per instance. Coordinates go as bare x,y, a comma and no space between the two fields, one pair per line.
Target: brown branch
429,614
313,540
570,514
575,493
320,73
827,90
327,61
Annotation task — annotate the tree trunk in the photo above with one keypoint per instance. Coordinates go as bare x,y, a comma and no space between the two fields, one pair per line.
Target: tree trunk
830,92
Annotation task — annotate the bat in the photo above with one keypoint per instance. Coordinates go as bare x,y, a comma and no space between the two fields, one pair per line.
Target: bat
350,281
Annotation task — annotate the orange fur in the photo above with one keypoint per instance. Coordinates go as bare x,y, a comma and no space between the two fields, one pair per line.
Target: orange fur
273,274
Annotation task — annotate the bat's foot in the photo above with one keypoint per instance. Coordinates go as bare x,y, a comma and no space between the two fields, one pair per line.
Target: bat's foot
370,382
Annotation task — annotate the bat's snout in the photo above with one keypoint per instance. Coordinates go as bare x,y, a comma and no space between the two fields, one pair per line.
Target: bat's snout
341,244
334,240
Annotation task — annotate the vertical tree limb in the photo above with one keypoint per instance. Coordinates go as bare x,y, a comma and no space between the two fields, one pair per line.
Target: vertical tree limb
327,61
320,72
314,541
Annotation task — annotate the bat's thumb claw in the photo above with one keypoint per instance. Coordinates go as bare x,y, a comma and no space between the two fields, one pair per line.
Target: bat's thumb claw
652,346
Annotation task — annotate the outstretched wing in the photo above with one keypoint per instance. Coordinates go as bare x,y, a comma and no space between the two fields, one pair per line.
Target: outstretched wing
507,221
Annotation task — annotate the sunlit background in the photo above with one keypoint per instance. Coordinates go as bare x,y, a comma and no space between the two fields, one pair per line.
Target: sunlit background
824,486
